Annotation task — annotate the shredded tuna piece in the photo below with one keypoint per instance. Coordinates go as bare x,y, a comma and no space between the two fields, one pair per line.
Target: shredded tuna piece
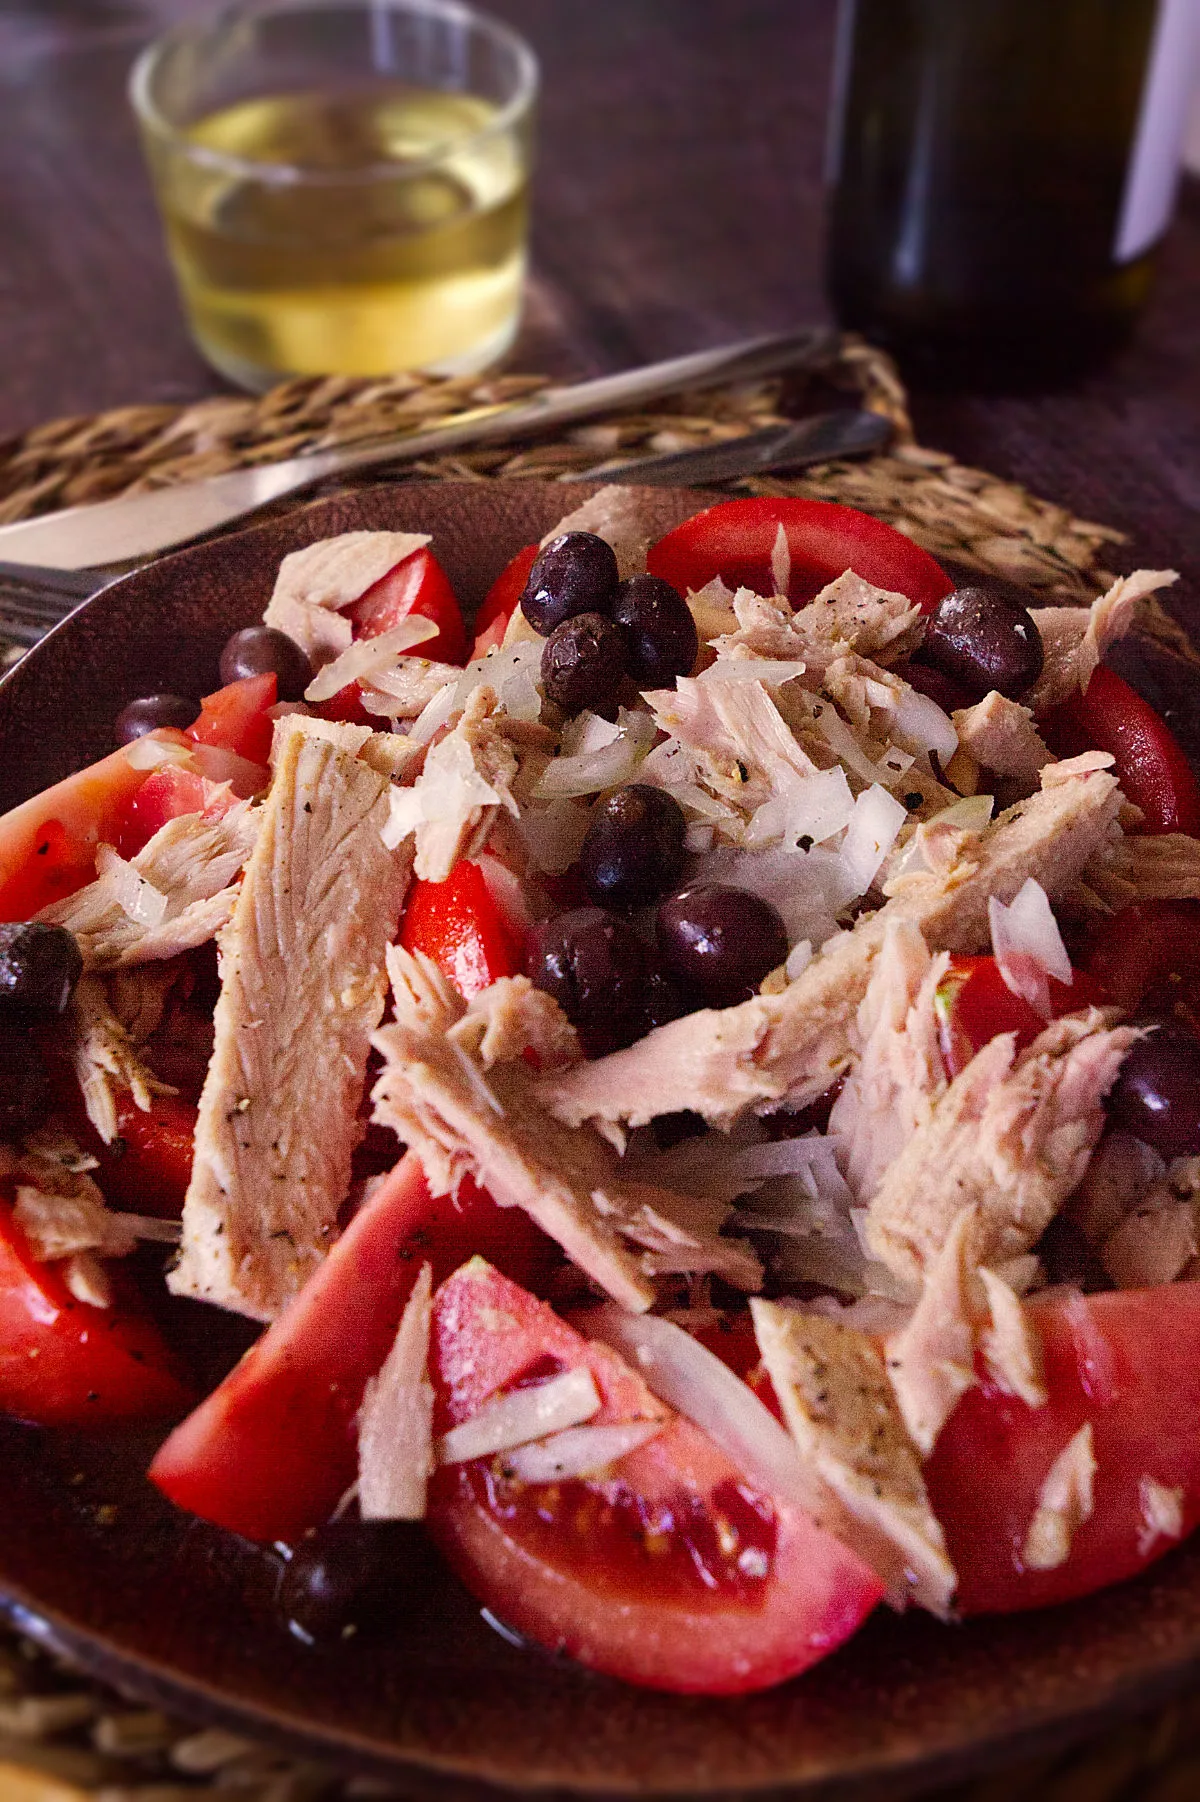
459,1121
1011,1347
891,1090
618,515
1074,639
931,1360
314,583
404,692
1162,1513
1001,736
796,1044
873,621
510,1018
833,1389
1065,1501
105,1059
303,985
192,864
59,1226
395,1422
450,809
1011,1136
1151,867
1122,1172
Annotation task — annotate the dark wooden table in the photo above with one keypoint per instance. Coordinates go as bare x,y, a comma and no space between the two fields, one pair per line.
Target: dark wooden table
678,204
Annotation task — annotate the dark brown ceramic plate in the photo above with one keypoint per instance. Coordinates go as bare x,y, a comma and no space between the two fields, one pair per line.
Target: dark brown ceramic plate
94,1562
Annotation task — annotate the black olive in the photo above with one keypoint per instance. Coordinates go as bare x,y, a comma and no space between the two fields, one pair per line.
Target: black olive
720,940
24,1084
663,641
262,651
984,637
584,663
634,847
151,712
575,573
39,966
597,968
341,1578
949,694
1156,1096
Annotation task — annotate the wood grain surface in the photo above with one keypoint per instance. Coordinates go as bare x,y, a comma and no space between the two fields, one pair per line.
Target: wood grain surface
678,203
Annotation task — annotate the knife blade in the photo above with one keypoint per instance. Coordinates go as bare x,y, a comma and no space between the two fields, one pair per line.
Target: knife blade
845,432
120,531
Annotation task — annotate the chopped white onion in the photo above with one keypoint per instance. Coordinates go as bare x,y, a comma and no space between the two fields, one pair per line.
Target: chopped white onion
588,732
781,561
579,1451
1028,946
591,771
395,1422
838,736
150,753
693,1380
971,814
813,807
522,1415
919,724
798,959
876,820
772,672
134,895
367,655
433,716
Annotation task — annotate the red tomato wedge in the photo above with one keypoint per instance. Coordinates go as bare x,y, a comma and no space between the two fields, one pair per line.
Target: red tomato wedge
1149,952
1150,761
418,585
48,843
272,1450
1130,1364
236,718
734,540
168,794
64,1363
974,1003
672,1572
500,602
148,1169
458,925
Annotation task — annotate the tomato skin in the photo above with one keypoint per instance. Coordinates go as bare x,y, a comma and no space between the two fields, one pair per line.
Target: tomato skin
168,794
458,925
149,1169
64,1363
1128,1362
500,602
735,539
235,718
1148,952
1151,764
417,585
48,843
549,1578
274,1447
974,1003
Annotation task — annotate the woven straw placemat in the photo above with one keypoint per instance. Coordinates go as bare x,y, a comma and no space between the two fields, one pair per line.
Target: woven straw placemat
63,1739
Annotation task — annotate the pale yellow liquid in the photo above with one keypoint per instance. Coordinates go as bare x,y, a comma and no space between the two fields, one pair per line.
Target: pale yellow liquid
349,274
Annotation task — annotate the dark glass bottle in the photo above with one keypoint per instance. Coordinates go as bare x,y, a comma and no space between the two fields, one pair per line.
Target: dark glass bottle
1001,171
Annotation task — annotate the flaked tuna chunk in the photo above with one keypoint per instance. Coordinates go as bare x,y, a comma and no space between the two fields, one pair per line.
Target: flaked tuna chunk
795,1044
465,1117
1065,1501
105,1059
1001,736
848,614
619,516
1160,866
316,583
303,986
450,809
1011,1137
839,1408
175,894
931,1359
898,1074
1074,639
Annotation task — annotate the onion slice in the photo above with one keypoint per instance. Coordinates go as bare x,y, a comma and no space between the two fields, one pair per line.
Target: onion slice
1028,946
366,656
521,1416
579,1451
693,1380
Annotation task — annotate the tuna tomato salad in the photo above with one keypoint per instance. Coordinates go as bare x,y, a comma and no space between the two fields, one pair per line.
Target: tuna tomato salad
701,1095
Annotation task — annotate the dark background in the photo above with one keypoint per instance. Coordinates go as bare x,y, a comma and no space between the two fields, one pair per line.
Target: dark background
678,203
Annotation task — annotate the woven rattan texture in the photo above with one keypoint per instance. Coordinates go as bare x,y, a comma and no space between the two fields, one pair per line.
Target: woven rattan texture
62,1739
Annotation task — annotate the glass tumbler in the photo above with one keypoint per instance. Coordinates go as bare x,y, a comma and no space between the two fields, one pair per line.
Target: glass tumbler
343,184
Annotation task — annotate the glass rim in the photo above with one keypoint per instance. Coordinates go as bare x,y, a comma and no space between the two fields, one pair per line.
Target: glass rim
149,114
